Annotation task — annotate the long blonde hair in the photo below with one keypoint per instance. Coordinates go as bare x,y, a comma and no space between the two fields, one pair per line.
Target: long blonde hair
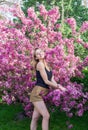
35,61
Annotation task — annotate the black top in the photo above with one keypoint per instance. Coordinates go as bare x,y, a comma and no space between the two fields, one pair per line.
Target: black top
40,81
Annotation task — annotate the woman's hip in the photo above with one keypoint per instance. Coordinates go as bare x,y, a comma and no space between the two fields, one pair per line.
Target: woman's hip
37,93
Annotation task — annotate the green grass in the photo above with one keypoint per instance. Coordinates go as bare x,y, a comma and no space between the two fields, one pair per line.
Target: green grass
57,120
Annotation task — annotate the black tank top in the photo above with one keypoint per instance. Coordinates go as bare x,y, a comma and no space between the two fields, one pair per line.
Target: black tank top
40,81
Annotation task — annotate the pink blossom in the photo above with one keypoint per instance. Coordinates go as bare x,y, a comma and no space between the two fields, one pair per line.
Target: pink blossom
43,12
70,126
17,42
54,14
80,112
86,45
57,26
72,24
31,13
84,27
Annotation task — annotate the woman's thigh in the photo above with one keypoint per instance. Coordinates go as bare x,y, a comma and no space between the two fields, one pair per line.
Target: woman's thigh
41,108
36,114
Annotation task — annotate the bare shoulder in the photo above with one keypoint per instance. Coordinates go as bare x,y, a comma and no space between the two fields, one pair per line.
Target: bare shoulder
40,65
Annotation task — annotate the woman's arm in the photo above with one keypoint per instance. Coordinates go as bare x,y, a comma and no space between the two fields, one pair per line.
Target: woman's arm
52,83
59,85
53,80
41,69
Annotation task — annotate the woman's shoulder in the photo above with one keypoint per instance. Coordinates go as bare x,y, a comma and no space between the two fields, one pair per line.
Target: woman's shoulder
39,65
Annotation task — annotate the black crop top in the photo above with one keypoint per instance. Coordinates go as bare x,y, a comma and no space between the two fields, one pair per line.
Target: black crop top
40,81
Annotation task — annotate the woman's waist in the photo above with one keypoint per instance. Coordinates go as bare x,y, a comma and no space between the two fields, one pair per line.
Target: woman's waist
42,85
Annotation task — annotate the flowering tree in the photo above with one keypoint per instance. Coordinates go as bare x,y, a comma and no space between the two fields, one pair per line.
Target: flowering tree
41,29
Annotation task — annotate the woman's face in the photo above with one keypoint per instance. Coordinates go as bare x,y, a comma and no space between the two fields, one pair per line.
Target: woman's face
40,54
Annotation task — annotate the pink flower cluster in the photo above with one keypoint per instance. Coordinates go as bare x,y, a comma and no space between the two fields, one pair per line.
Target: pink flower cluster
43,12
80,41
17,77
72,24
84,27
54,15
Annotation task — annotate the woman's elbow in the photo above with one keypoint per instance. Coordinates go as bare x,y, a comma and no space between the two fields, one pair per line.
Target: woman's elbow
47,82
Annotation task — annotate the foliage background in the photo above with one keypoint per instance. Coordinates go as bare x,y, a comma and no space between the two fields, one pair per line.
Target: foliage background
71,8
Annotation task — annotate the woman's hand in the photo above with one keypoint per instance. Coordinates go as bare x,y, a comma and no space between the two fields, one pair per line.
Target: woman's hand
61,87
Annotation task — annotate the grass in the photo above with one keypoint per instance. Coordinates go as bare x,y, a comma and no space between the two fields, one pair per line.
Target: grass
57,120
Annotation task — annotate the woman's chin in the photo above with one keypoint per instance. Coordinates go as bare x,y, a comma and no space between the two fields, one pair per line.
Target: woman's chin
42,57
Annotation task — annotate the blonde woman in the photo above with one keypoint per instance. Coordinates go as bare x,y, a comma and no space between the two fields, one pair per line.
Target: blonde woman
44,80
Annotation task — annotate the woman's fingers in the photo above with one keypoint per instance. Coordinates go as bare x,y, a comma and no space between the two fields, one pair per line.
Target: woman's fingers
62,88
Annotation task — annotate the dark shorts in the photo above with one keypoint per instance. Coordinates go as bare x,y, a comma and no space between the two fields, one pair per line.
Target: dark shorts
37,93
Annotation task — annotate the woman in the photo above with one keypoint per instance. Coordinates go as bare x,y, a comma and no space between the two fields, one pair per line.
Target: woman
44,80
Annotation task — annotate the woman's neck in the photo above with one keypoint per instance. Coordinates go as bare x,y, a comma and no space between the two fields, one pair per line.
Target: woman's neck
42,60
45,64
